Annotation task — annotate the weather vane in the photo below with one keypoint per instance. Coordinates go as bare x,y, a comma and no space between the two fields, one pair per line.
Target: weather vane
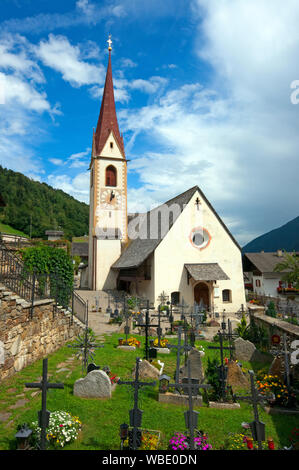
109,42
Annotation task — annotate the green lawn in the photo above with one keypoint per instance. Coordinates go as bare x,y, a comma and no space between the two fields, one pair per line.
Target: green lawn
8,229
101,418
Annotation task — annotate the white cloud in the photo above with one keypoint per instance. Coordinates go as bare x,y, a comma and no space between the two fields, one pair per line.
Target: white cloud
78,186
56,161
58,53
233,138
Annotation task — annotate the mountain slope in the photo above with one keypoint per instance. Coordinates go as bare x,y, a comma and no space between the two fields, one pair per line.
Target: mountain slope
48,208
285,237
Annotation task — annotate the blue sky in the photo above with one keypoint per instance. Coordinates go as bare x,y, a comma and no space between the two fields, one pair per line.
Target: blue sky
203,93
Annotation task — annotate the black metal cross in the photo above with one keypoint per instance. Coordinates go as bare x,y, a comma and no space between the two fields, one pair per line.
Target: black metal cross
159,329
163,297
146,326
183,306
191,416
179,347
257,427
44,414
85,346
230,336
136,413
222,368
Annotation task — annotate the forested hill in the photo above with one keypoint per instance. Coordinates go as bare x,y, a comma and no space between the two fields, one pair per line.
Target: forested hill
48,208
285,237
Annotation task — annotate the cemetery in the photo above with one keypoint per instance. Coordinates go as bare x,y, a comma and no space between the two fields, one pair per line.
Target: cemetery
222,393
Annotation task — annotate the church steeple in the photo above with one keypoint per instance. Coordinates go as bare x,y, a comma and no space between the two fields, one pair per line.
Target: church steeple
107,121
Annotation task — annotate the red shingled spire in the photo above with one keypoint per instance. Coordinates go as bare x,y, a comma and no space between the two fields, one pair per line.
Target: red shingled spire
107,119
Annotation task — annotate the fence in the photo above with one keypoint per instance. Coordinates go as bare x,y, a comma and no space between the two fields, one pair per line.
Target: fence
79,307
35,286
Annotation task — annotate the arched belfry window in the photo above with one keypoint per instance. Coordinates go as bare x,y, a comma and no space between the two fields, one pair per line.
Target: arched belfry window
111,174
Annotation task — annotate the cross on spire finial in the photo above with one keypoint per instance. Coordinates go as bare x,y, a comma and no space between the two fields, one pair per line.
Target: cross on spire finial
109,43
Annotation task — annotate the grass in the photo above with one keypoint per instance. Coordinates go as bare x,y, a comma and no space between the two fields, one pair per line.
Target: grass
10,230
101,418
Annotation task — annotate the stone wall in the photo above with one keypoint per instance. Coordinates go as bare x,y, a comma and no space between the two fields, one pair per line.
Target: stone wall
274,325
24,340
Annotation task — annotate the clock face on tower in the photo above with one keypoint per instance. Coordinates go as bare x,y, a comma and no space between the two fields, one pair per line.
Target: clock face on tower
110,199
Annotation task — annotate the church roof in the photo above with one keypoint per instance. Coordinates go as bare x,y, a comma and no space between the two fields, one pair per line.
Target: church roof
206,272
107,121
139,248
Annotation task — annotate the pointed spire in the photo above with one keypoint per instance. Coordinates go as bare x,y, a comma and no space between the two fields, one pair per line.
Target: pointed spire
107,121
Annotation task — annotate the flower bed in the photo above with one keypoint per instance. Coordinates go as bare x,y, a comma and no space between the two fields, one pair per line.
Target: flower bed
271,384
63,428
239,441
130,342
163,343
181,441
150,439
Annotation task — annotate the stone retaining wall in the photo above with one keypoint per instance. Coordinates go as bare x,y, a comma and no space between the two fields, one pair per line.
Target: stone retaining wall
24,340
274,324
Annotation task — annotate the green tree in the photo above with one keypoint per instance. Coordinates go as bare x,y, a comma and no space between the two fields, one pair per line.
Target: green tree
290,264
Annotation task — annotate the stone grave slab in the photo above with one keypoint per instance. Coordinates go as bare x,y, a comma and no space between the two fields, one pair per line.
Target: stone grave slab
95,385
176,399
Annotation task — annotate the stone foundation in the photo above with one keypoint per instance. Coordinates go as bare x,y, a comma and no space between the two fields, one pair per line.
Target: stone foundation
24,340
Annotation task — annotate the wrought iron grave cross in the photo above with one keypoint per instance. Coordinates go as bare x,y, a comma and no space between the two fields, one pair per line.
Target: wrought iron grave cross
191,416
85,345
179,347
257,427
136,413
146,326
222,367
44,414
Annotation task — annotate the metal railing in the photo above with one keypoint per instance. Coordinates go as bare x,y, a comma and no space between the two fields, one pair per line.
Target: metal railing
32,286
79,307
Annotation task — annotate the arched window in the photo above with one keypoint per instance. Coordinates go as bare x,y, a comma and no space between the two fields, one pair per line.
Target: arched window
110,176
226,295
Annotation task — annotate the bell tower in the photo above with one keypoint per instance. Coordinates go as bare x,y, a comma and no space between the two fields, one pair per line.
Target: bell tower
108,192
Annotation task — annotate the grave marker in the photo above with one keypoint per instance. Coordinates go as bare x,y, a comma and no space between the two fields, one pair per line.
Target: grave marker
136,413
44,414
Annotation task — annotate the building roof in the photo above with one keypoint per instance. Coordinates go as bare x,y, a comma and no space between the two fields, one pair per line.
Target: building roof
264,262
107,121
139,248
206,272
80,249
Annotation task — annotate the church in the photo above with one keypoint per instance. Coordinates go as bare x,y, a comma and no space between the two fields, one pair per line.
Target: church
181,248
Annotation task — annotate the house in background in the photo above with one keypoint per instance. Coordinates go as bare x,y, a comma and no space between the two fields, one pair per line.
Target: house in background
54,235
260,277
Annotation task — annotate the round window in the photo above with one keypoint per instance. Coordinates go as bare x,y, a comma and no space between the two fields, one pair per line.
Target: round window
200,238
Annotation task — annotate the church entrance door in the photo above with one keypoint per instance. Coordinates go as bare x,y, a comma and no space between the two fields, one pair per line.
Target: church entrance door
202,295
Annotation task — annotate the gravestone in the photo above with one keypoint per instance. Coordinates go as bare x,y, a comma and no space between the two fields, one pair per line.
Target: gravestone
147,370
196,368
246,351
277,368
235,376
95,385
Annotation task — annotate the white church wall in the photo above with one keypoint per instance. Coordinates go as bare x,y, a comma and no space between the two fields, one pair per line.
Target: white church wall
108,251
175,250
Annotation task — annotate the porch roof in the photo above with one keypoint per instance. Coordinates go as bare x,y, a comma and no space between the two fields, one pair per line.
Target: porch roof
206,272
